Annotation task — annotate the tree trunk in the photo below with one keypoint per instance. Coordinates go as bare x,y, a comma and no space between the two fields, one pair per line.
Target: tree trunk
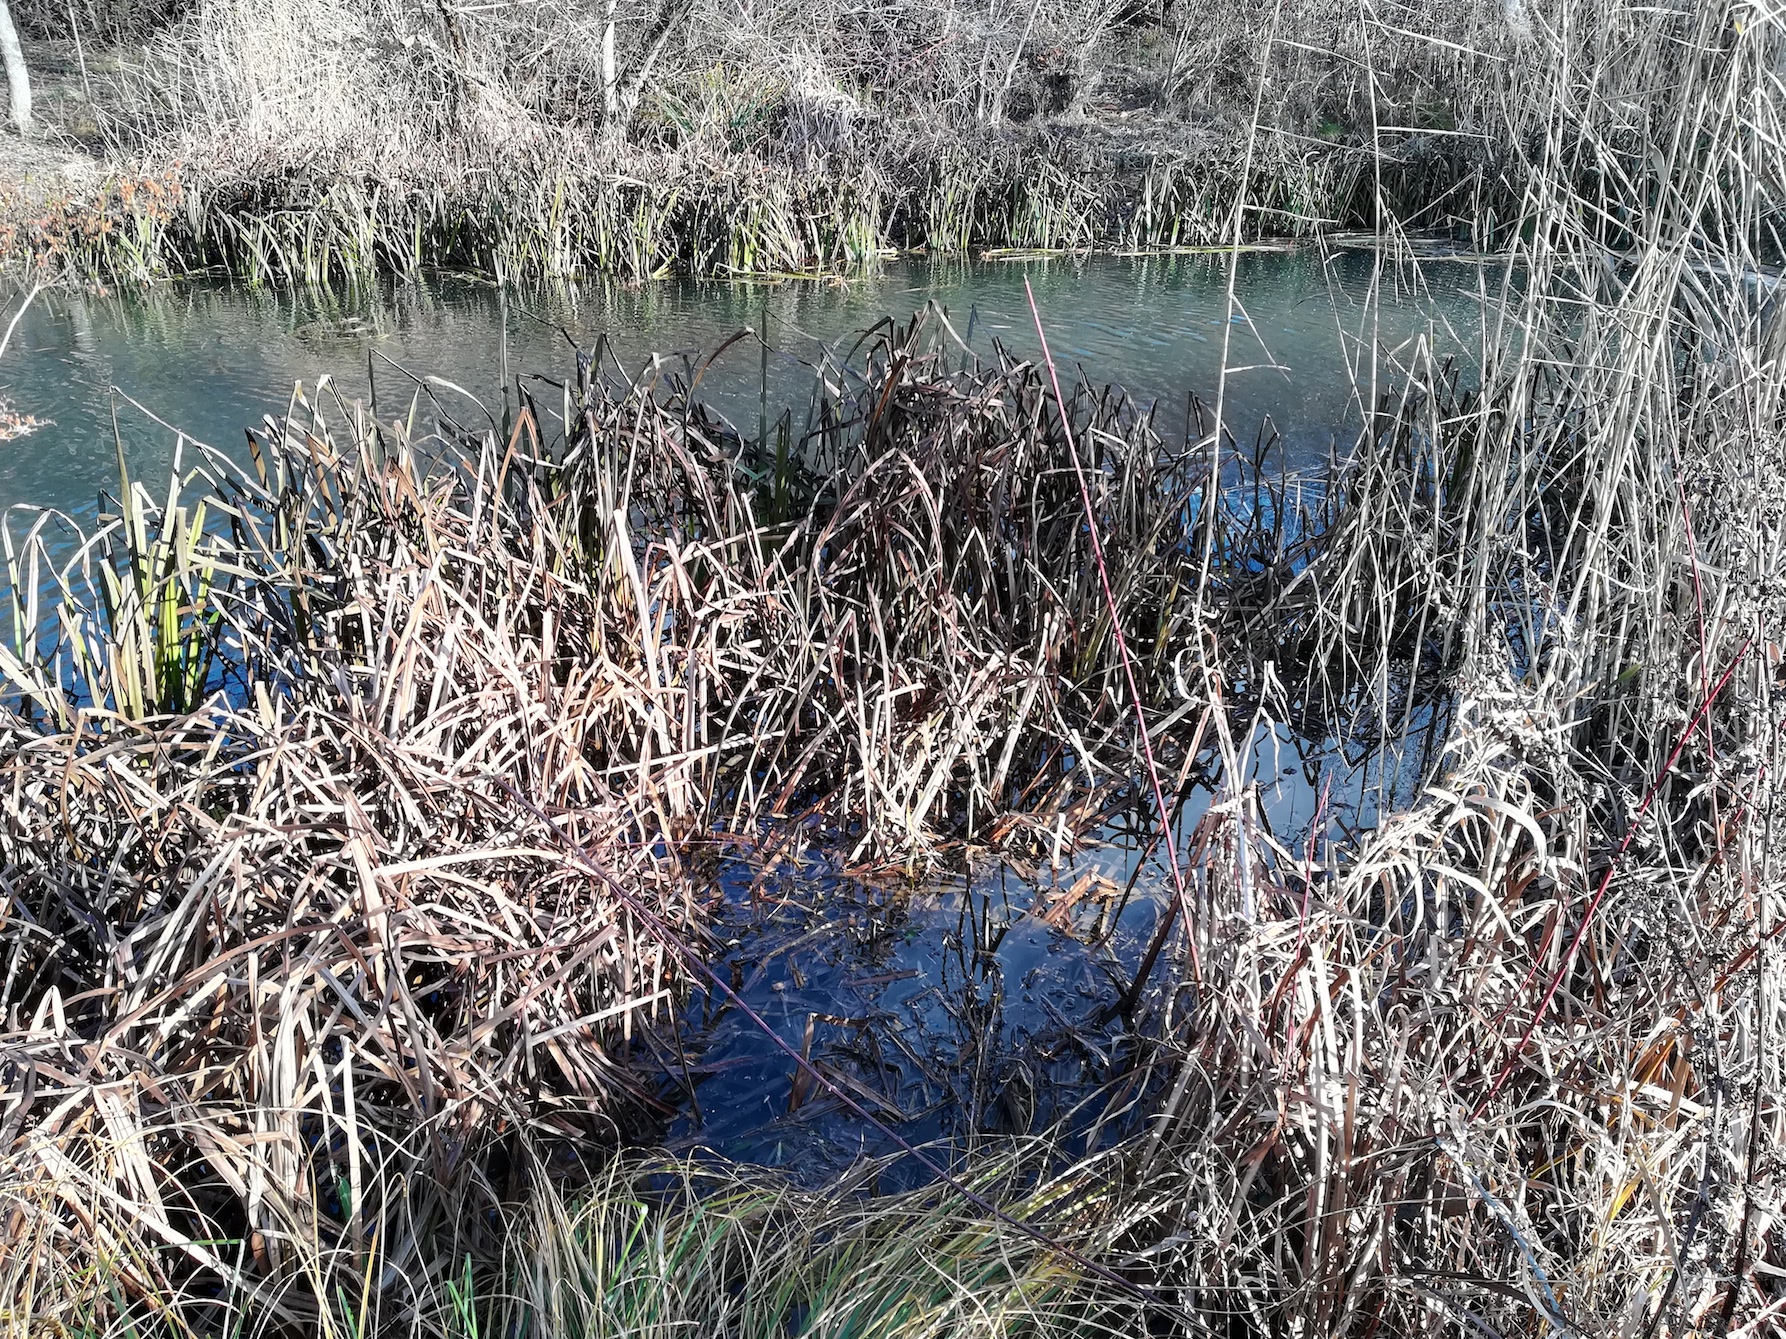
18,79
610,77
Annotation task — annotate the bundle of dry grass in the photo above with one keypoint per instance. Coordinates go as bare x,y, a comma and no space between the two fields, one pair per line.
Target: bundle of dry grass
285,975
256,1020
1507,1064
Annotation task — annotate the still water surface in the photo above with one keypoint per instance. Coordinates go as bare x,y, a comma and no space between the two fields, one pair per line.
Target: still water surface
976,1007
211,359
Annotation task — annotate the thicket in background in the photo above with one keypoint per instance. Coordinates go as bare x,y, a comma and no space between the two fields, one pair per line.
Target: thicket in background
322,139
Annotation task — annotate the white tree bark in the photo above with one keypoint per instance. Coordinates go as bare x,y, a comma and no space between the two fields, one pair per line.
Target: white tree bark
610,76
18,79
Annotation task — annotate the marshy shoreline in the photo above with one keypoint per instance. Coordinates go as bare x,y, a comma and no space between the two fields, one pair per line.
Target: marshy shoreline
754,144
367,797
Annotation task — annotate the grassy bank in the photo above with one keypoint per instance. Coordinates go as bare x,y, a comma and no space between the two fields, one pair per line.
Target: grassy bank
312,140
357,805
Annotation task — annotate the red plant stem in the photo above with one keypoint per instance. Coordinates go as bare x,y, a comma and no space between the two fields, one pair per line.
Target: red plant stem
1680,489
1612,866
1122,648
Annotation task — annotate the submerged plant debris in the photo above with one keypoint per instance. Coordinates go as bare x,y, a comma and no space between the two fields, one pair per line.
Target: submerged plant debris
15,424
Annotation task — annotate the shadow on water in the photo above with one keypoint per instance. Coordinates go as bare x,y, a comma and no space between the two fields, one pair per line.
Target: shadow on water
973,1007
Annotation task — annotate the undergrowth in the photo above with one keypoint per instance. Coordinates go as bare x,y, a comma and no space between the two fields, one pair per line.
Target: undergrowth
318,141
348,821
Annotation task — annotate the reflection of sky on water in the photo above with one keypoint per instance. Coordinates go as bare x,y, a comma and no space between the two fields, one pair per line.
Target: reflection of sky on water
975,1007
212,359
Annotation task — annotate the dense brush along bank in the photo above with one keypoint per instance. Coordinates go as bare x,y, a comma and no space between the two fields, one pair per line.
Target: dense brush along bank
392,810
313,140
363,803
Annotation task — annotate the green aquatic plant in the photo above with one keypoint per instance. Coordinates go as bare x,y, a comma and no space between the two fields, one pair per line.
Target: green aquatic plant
729,1251
129,622
161,627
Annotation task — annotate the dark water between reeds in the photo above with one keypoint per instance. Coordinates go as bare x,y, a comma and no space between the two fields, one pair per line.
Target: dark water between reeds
977,1006
972,1008
213,358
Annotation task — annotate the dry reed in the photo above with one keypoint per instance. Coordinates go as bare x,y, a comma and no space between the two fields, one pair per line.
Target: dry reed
1504,1064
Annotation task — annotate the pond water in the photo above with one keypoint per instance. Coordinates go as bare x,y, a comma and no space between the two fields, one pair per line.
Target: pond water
975,1007
212,358
972,1007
